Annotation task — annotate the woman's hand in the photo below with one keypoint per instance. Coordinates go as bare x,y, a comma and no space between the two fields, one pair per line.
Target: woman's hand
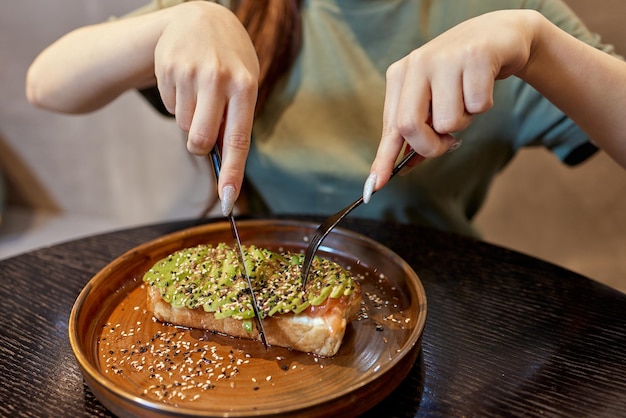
434,91
207,73
198,54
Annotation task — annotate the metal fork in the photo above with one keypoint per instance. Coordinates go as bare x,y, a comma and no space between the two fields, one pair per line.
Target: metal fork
322,231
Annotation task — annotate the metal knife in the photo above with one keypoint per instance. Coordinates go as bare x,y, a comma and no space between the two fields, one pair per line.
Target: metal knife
217,164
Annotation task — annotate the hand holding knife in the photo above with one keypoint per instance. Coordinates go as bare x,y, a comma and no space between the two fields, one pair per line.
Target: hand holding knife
217,163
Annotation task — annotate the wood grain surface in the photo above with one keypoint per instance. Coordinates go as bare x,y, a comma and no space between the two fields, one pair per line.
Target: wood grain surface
506,334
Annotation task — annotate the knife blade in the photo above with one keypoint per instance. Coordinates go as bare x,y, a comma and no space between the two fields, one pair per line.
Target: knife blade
217,164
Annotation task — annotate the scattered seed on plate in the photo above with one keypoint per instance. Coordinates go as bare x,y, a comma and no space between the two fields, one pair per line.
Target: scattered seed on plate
175,367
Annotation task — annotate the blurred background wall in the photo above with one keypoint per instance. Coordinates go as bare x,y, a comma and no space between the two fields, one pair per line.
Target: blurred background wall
61,185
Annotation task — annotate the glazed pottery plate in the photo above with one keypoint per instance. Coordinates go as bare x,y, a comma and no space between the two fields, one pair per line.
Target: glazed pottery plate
137,366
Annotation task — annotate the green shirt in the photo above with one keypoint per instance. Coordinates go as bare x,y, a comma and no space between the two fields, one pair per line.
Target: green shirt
313,144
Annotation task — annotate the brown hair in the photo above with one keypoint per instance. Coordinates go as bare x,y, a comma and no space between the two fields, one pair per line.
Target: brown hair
275,28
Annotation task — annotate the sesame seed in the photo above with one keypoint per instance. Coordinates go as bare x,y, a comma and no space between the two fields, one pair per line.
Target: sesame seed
172,362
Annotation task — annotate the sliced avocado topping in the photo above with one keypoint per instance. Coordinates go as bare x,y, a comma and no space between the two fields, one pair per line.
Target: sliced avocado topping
211,277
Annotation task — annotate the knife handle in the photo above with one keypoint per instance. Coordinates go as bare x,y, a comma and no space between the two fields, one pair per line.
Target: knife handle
216,161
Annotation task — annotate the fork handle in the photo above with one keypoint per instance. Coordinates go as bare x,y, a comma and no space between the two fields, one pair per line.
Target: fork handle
404,162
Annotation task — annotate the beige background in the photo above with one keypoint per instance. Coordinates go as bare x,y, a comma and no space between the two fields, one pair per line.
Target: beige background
58,167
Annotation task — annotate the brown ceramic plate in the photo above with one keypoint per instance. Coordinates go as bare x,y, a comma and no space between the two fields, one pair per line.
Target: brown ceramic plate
137,366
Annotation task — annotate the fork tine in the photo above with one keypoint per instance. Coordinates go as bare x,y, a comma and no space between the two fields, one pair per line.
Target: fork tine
320,233
324,229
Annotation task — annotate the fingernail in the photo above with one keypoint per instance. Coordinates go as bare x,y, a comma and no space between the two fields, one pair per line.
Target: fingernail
228,200
368,188
455,145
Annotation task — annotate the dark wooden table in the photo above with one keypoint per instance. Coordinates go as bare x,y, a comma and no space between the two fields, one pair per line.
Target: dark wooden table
506,334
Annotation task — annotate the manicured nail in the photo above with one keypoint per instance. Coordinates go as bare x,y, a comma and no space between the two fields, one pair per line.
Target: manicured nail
228,200
455,145
368,188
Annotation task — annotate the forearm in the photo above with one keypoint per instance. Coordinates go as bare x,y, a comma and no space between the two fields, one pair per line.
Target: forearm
586,84
89,67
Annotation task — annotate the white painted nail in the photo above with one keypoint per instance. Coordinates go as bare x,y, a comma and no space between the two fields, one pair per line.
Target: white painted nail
368,188
455,145
228,200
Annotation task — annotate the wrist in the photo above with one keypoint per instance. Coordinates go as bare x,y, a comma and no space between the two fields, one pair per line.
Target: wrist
541,32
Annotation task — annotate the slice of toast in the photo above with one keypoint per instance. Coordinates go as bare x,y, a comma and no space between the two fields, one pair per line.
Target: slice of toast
203,287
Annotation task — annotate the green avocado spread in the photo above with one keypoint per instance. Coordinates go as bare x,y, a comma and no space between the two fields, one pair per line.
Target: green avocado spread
212,277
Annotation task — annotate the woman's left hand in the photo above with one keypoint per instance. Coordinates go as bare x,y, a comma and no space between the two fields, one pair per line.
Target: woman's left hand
434,91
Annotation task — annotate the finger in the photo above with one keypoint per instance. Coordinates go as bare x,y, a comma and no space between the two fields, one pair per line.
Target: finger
168,96
206,122
426,141
414,115
478,84
185,104
236,143
448,108
391,141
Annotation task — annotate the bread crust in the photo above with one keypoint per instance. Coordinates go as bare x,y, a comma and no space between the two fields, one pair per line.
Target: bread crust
320,333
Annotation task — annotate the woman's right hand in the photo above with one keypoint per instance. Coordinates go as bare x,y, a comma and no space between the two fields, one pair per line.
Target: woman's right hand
199,55
207,73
